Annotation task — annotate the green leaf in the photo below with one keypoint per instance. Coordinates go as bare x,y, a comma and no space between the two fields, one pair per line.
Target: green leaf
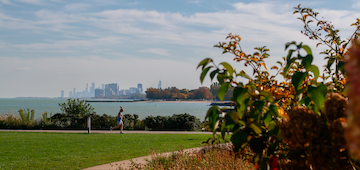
225,128
213,115
204,62
288,64
289,55
213,73
203,73
267,95
315,70
243,74
267,119
340,66
242,123
239,94
317,94
256,128
228,67
222,90
306,62
221,77
299,46
273,129
307,49
330,62
231,118
297,79
289,43
239,140
259,105
274,110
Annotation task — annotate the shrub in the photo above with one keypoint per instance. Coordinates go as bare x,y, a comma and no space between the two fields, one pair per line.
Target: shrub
102,122
76,108
175,122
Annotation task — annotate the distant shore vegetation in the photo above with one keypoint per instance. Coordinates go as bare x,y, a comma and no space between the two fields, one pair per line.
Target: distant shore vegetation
173,93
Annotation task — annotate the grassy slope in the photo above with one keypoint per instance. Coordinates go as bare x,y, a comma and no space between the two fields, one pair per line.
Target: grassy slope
25,150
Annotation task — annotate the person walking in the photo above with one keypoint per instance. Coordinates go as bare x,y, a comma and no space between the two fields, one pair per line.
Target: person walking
120,122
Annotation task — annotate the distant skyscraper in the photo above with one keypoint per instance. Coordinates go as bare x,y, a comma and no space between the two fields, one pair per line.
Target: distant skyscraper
62,93
111,89
99,92
74,92
140,88
92,90
103,86
159,87
70,94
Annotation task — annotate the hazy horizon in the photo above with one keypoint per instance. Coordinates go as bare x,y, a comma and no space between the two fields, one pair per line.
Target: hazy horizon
51,45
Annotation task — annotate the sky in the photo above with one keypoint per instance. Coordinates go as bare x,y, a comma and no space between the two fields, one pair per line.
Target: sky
51,45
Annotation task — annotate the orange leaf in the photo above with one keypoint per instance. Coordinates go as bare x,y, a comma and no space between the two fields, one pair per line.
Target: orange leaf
274,67
304,17
263,64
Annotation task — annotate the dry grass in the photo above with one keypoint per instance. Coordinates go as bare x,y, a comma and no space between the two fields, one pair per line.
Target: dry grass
219,157
10,119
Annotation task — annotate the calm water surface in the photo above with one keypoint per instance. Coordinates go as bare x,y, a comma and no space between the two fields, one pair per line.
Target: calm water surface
12,105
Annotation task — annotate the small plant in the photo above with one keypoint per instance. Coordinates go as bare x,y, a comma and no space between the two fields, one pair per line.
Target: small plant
27,117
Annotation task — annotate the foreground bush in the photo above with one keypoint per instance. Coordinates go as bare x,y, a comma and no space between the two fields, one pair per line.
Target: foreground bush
296,119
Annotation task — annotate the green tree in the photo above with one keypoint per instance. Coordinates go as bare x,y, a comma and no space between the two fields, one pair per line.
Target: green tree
76,108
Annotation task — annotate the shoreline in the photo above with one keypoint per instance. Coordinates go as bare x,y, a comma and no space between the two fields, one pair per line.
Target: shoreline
179,101
155,101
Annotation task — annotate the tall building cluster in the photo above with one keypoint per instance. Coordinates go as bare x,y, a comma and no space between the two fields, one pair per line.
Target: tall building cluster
111,89
84,93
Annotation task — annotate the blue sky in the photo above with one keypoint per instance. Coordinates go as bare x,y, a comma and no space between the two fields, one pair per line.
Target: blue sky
51,45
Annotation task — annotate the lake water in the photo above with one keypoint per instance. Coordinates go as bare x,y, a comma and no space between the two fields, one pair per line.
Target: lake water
143,109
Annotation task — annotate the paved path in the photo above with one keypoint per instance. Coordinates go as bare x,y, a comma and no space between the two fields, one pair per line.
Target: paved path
126,164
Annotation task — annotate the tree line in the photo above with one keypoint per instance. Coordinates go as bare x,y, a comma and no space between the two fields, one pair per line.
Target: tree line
173,93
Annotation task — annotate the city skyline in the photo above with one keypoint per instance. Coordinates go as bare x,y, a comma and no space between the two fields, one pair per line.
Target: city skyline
92,93
50,45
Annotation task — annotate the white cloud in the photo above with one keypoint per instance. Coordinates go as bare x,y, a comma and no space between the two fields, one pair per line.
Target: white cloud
76,7
159,51
356,4
68,44
179,41
6,2
35,2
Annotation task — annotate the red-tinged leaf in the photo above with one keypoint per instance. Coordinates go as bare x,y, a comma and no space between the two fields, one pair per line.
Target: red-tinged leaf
306,15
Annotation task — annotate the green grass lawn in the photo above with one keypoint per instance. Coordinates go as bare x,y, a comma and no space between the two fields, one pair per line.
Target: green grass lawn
26,150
